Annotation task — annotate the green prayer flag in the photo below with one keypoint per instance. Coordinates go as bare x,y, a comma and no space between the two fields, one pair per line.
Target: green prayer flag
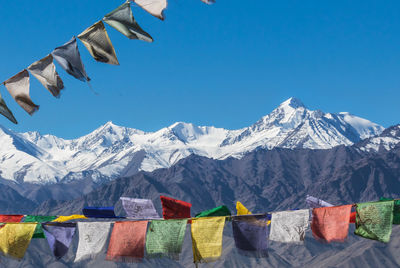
396,209
374,220
218,211
165,237
38,231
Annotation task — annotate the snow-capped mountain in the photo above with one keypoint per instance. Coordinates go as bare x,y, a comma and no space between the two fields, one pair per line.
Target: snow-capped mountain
386,141
112,151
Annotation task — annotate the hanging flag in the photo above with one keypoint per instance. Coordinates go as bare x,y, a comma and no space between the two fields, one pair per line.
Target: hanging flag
6,112
175,209
96,40
154,7
123,21
396,209
45,71
92,239
165,238
241,210
127,241
18,86
139,208
331,224
59,236
289,226
218,211
39,230
207,238
11,218
99,212
208,2
251,235
70,217
70,60
15,239
374,220
314,202
353,217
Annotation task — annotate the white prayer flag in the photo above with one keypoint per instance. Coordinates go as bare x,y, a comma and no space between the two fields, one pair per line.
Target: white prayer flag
139,208
289,226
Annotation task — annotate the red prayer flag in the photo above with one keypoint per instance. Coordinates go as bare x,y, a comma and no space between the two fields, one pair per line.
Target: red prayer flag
11,218
175,209
127,241
331,224
353,217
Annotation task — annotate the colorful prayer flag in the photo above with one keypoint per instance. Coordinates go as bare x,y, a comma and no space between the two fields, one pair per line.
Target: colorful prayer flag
218,211
96,40
331,224
59,237
289,226
207,238
127,241
139,208
11,218
39,230
6,112
208,2
15,239
165,238
314,202
99,212
374,220
154,7
242,210
175,209
69,218
123,21
396,209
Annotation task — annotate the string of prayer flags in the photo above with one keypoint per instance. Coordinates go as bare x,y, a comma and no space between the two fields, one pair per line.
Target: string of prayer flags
314,202
154,7
59,237
175,209
92,239
69,218
250,233
331,224
127,241
139,208
15,239
207,238
39,230
99,212
374,220
241,209
69,58
18,87
289,226
218,211
6,112
97,42
45,71
11,218
123,21
396,209
165,238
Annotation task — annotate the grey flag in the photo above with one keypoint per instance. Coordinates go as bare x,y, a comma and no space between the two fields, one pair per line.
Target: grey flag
123,21
6,112
70,60
154,7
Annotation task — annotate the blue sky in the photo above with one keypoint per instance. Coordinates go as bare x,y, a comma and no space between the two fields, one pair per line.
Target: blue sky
225,65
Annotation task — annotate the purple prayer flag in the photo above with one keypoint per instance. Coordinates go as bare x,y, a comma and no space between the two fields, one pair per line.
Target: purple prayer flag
251,235
59,236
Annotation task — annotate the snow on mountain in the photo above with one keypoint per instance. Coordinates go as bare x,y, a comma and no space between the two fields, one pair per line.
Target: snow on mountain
387,140
112,151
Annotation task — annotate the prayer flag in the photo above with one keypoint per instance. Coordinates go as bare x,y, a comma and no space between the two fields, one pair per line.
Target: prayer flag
251,235
396,209
18,86
99,212
289,226
165,237
45,71
59,236
15,239
70,60
314,202
241,210
331,224
218,211
6,112
139,208
92,239
154,7
39,230
11,218
208,2
374,220
207,238
68,218
96,40
175,209
353,217
127,241
123,21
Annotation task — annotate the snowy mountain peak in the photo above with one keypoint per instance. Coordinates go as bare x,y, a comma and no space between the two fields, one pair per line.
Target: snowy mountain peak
293,103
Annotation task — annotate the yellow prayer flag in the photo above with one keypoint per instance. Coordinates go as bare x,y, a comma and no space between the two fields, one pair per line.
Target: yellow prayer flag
207,238
15,239
68,218
242,210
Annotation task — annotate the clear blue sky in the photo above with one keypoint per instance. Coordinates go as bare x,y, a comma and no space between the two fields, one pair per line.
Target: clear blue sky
225,65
